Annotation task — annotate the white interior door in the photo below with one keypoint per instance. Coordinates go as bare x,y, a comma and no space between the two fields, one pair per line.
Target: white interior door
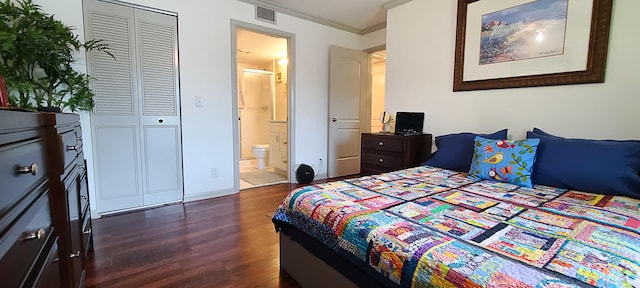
157,48
136,121
114,122
347,93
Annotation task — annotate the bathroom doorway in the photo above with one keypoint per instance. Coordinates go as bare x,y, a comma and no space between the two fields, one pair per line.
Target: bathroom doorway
255,106
378,64
262,62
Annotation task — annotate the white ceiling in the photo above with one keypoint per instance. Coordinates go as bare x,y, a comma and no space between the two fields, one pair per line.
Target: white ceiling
257,49
358,16
355,14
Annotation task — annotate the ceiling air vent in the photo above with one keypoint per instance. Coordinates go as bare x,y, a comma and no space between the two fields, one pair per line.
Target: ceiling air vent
266,14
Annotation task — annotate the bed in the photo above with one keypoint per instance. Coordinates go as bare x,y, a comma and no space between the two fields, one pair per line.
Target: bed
435,227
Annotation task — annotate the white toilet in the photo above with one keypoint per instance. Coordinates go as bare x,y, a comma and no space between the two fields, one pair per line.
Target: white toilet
260,151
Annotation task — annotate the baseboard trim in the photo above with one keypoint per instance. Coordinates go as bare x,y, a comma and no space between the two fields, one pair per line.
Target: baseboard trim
321,176
209,195
187,198
135,209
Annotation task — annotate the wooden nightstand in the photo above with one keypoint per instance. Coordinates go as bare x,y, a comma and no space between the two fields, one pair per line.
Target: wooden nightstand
384,152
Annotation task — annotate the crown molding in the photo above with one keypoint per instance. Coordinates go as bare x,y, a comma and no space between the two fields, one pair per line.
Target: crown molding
375,48
395,3
137,6
317,20
373,28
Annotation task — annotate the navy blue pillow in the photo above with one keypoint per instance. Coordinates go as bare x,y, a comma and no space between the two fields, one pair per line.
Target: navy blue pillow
455,151
610,167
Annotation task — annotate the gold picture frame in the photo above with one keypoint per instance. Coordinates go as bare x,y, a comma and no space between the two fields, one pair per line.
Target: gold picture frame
591,44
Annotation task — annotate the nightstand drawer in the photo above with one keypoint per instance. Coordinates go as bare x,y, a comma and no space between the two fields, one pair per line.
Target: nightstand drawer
370,170
383,160
383,144
384,152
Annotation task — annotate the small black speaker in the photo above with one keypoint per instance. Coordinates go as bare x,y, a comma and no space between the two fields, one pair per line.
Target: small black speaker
304,174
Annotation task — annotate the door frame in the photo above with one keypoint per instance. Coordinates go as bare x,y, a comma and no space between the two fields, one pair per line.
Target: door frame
290,37
369,101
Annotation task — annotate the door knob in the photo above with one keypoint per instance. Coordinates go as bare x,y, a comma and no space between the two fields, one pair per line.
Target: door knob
334,119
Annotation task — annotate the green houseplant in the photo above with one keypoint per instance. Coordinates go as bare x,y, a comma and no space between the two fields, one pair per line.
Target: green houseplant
36,58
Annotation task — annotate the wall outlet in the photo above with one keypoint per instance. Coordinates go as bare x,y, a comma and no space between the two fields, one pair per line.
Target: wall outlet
214,172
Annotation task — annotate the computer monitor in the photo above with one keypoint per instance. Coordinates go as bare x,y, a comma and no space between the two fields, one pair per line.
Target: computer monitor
409,123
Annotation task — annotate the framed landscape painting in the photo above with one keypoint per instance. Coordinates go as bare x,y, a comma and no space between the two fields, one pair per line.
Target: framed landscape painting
525,43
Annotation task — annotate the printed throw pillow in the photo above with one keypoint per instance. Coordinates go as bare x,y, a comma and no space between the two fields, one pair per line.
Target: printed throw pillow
455,151
509,161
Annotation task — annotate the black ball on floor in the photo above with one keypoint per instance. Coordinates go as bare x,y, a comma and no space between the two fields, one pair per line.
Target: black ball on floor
304,174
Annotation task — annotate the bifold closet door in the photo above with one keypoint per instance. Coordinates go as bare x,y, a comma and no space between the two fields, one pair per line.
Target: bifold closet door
136,120
157,48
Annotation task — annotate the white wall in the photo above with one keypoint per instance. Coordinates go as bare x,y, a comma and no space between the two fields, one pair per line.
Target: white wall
420,57
205,70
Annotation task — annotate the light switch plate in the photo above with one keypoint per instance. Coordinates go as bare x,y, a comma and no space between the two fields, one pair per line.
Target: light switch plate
199,101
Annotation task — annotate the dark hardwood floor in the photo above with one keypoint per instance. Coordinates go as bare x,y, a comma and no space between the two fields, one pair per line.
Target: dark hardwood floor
224,242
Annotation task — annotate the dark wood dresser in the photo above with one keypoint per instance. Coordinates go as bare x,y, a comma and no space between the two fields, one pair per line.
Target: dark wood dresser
384,152
45,225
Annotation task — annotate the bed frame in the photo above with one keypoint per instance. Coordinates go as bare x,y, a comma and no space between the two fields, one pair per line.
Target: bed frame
312,264
306,269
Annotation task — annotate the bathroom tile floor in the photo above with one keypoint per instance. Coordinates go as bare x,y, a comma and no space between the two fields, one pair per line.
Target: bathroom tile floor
247,166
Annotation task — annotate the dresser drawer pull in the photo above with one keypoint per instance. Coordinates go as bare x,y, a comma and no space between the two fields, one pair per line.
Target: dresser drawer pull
72,148
83,197
30,169
381,143
78,138
87,232
71,256
34,235
381,160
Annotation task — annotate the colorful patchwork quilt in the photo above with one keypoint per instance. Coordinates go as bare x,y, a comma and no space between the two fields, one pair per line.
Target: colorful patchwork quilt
430,227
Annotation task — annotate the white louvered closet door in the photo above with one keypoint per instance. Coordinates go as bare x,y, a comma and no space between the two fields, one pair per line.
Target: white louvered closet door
157,48
136,120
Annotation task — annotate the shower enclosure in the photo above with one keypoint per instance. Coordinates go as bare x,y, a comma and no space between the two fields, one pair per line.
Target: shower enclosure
256,96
